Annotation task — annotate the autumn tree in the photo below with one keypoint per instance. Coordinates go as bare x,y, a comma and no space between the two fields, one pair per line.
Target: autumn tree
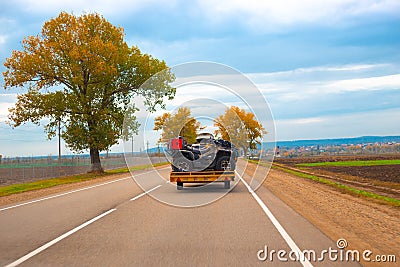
181,123
240,127
80,72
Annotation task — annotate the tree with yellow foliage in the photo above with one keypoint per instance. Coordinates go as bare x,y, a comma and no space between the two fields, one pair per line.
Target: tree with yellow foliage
181,123
81,73
239,127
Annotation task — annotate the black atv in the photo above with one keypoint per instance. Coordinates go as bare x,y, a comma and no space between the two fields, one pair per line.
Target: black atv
206,154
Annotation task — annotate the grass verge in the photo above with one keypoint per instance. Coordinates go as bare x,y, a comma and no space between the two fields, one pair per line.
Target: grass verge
344,188
25,187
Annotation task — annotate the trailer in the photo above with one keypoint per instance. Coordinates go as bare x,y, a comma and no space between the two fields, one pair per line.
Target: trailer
202,177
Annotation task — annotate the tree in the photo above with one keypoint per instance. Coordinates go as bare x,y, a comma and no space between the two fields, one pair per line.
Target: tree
81,72
182,123
240,127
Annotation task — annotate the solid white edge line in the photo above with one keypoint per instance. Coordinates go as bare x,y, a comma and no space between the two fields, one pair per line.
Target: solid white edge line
74,191
58,239
276,223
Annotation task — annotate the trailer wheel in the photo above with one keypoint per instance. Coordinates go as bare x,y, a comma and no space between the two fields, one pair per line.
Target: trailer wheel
227,184
179,186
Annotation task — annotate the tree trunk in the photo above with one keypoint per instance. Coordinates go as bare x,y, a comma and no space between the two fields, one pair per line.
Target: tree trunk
95,161
245,151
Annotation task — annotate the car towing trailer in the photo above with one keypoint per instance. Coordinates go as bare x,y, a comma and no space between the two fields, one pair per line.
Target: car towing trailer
202,177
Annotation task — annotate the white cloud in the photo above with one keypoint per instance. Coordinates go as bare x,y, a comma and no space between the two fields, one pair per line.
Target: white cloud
300,71
6,101
306,120
266,15
348,125
3,39
263,14
371,83
310,83
103,6
178,51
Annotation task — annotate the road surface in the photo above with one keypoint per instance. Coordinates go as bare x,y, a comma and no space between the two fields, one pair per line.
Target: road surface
117,224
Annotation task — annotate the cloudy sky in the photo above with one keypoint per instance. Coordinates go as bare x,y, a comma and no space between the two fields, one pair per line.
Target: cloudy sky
328,69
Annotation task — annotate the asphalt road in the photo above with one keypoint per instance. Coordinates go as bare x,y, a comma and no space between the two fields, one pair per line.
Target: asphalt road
117,224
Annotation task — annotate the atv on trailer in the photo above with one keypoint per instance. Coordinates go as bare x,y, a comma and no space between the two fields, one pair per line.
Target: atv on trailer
206,154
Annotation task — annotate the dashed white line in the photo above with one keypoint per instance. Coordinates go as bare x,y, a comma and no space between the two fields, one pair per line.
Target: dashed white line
74,191
144,193
304,261
76,229
58,239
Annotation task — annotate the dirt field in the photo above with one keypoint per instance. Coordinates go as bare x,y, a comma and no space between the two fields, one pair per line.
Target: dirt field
384,173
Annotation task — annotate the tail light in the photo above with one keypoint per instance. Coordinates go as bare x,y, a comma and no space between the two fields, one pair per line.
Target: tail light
176,143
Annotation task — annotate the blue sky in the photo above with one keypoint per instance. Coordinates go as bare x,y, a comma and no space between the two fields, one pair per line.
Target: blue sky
327,68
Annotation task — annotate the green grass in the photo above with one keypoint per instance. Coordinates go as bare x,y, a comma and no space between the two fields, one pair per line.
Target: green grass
136,168
25,187
352,163
345,188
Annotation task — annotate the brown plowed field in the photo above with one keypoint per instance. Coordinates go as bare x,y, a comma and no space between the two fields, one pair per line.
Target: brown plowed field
384,173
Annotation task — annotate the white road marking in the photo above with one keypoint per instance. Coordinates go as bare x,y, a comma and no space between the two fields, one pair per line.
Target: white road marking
58,239
144,193
74,191
304,261
76,229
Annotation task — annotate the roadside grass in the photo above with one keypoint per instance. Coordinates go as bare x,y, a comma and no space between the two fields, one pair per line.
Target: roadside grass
25,187
136,168
353,163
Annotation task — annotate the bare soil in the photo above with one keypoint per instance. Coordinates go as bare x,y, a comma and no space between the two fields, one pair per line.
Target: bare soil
386,173
363,223
383,175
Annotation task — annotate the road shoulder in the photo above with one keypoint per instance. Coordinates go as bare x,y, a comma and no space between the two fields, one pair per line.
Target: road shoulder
364,224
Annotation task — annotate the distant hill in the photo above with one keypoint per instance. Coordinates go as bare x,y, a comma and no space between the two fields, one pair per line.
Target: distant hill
337,141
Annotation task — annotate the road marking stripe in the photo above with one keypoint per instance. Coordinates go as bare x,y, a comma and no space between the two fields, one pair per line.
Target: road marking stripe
277,225
58,239
144,193
74,191
76,229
